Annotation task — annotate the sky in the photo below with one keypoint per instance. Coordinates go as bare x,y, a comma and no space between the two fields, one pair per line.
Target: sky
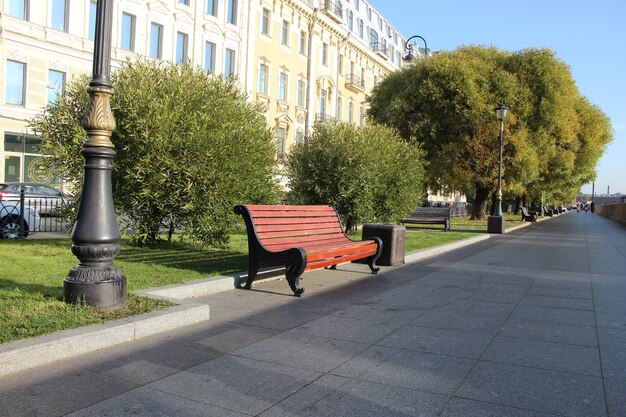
588,36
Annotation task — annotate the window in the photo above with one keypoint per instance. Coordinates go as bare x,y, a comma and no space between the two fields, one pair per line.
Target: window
323,98
283,81
182,40
229,63
59,15
211,7
380,23
340,64
325,54
232,12
303,43
299,138
350,20
369,13
361,115
350,112
300,94
15,83
56,85
360,28
156,41
127,40
265,22
19,9
339,105
185,2
92,20
263,71
356,4
280,141
209,57
284,36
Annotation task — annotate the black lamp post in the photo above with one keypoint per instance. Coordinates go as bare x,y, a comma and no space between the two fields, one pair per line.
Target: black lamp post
410,57
495,223
96,237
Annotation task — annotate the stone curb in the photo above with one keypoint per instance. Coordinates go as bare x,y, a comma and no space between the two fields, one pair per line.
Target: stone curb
28,353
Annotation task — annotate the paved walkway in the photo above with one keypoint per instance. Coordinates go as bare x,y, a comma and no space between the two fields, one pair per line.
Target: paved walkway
532,323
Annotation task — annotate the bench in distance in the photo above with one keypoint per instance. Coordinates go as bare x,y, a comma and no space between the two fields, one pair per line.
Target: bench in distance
430,215
301,238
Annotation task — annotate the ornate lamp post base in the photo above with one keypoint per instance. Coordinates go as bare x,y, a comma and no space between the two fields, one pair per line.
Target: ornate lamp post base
104,287
495,224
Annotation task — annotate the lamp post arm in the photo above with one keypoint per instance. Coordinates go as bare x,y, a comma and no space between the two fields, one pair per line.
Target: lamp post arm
407,46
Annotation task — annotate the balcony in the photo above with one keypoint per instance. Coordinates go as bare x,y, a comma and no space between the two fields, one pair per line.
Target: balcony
323,118
355,83
380,49
332,9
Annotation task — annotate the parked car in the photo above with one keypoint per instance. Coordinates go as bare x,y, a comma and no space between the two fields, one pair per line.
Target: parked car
42,198
10,220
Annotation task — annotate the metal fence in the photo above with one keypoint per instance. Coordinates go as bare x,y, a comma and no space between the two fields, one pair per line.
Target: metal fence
22,216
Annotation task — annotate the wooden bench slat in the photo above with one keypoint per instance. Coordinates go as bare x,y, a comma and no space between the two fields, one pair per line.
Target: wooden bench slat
291,220
302,240
254,207
302,227
299,232
293,213
329,262
321,247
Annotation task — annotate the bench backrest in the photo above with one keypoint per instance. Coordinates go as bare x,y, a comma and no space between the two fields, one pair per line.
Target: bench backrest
434,212
525,211
275,227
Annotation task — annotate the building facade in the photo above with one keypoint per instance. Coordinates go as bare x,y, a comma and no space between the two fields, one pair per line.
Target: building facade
303,61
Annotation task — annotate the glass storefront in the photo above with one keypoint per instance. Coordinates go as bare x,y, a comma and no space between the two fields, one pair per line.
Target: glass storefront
23,161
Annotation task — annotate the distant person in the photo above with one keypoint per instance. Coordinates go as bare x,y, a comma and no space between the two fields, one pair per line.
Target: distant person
593,206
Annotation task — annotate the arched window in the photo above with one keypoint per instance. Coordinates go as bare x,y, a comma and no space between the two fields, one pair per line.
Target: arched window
350,20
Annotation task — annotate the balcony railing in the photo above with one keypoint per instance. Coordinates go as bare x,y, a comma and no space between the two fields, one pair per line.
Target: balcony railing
323,118
333,9
354,82
379,48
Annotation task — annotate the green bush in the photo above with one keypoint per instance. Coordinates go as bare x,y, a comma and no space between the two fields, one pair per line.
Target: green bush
189,148
368,174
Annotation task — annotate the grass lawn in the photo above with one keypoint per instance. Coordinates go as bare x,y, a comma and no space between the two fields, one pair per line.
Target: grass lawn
32,273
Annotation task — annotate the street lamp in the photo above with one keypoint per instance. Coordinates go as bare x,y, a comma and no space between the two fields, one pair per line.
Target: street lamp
95,281
410,57
495,223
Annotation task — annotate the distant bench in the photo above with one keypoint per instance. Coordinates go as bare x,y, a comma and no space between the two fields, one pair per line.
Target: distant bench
301,238
528,215
430,215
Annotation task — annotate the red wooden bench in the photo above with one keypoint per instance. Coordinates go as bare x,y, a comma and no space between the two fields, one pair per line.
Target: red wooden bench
301,238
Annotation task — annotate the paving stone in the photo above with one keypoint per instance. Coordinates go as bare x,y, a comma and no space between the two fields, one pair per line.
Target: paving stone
439,341
382,313
558,302
237,384
550,332
586,294
611,320
535,389
348,328
613,352
555,315
332,396
234,336
304,351
544,355
616,396
146,402
403,368
460,407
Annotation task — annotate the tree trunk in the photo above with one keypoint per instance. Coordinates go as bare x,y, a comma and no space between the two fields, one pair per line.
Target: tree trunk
170,233
518,204
478,208
492,210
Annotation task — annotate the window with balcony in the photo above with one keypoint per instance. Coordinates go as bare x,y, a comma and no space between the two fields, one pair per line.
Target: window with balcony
127,40
15,83
156,41
263,72
283,82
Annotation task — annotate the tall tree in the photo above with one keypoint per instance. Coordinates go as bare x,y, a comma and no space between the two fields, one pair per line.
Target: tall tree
445,103
189,147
